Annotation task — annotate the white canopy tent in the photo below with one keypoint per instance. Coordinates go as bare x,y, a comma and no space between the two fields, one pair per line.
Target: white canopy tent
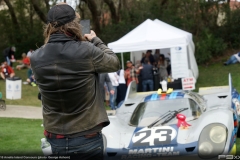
157,35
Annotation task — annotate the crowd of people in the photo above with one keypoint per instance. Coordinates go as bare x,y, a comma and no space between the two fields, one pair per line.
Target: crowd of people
115,84
7,69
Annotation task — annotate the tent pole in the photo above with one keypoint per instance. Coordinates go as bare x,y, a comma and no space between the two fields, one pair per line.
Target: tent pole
122,61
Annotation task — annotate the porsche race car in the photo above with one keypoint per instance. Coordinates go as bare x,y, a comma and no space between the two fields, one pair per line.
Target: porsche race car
183,124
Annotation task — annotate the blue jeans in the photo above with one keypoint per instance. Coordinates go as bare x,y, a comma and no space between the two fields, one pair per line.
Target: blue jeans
147,82
79,147
113,98
8,61
119,105
232,60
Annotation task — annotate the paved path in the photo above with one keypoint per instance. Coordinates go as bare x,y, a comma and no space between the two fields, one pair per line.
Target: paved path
29,112
17,111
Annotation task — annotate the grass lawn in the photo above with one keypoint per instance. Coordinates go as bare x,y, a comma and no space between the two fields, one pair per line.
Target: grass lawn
20,136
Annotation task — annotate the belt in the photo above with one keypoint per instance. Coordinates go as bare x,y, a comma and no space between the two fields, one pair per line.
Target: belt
59,136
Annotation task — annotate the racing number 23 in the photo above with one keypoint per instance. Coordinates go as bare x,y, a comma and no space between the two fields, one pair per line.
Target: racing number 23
159,137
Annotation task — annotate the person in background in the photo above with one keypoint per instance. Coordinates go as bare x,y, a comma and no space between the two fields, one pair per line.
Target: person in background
146,72
122,87
29,53
104,80
24,62
149,56
107,95
30,80
114,80
6,71
131,73
162,67
8,55
235,58
156,55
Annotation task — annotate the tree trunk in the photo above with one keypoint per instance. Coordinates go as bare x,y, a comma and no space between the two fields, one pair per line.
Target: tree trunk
13,15
39,12
31,16
82,10
47,4
96,14
113,10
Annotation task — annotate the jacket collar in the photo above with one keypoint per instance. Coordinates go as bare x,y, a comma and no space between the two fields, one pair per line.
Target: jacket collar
60,37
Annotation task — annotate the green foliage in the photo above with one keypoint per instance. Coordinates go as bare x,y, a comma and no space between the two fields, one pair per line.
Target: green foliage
197,17
209,46
28,36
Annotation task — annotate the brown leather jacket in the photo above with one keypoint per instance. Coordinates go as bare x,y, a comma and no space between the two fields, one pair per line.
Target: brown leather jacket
67,73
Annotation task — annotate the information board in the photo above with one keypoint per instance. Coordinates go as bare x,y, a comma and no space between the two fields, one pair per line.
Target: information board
179,62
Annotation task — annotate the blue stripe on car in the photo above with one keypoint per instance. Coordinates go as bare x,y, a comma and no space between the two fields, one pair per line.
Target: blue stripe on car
155,96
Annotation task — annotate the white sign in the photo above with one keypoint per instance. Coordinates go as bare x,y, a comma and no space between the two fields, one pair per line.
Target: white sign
13,89
188,83
179,62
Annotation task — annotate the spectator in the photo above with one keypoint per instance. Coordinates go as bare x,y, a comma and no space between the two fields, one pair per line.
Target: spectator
7,71
107,96
122,87
104,80
8,55
131,73
147,75
24,62
148,56
114,79
162,67
235,58
67,71
31,80
29,53
157,55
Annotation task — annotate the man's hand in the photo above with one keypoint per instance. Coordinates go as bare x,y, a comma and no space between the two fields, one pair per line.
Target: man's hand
90,36
112,92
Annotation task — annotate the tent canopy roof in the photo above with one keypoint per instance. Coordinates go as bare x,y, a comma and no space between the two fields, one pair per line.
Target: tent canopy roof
151,35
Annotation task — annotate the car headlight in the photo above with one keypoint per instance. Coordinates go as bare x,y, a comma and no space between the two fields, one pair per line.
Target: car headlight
212,140
206,148
218,134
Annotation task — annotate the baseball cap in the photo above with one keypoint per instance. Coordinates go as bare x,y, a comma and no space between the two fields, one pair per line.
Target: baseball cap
129,61
61,14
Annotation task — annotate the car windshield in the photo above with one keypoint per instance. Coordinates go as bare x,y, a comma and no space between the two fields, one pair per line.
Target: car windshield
147,112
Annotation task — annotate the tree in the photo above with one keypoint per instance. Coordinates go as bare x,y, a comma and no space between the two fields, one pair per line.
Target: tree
38,10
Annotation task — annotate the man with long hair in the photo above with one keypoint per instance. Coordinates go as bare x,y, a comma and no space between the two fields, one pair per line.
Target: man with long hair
66,69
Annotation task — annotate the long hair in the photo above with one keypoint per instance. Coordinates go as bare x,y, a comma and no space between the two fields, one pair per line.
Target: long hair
73,28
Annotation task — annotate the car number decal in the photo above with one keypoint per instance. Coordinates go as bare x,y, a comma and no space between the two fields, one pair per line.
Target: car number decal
155,136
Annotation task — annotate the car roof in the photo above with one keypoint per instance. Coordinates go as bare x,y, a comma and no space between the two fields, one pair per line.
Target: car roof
173,95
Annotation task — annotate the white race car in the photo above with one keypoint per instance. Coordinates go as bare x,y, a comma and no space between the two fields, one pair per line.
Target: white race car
183,124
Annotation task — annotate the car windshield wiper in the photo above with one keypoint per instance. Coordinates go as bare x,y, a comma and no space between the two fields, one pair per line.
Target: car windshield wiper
169,114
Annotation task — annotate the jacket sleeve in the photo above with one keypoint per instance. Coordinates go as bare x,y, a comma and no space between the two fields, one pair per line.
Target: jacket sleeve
104,59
